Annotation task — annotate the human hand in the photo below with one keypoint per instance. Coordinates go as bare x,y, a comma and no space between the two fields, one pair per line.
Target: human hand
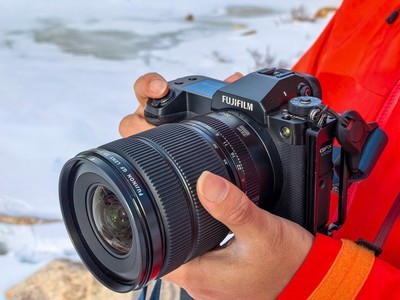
257,263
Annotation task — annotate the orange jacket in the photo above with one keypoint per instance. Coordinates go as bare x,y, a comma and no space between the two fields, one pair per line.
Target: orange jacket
357,60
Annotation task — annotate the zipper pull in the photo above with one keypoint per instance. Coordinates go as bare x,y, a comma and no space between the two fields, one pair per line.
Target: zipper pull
393,17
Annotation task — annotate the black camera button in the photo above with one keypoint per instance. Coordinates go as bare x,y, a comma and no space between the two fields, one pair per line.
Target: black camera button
178,82
192,78
155,102
267,71
304,90
162,101
167,98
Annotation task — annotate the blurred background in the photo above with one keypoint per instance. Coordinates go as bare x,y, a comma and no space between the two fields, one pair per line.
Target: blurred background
66,74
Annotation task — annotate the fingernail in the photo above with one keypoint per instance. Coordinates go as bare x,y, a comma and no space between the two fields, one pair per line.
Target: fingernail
158,86
212,187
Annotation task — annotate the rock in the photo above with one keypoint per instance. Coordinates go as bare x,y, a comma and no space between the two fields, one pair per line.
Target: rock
25,220
64,280
324,12
249,32
189,18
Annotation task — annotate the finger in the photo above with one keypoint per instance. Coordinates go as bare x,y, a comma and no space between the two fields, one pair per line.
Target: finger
228,204
151,85
234,77
134,123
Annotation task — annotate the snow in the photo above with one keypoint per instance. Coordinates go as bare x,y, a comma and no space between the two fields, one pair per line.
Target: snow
66,75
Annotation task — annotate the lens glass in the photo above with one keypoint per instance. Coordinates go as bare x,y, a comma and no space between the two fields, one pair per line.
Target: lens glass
111,221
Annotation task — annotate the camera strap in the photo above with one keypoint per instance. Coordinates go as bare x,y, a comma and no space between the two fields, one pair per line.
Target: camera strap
156,292
384,231
388,223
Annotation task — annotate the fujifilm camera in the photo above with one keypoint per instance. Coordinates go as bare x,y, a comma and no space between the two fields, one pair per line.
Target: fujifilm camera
131,207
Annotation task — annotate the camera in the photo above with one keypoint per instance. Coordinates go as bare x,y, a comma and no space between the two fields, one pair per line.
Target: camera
131,208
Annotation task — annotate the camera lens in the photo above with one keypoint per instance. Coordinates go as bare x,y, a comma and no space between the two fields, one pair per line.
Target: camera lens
111,221
131,206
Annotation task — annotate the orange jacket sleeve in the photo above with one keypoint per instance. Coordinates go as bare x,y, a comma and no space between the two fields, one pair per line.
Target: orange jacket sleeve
343,270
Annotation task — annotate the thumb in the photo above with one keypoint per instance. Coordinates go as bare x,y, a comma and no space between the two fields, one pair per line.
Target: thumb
229,205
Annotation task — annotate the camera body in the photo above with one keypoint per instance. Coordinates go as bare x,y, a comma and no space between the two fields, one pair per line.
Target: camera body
275,103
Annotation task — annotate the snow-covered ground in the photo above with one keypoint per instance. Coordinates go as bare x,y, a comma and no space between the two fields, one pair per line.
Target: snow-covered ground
66,75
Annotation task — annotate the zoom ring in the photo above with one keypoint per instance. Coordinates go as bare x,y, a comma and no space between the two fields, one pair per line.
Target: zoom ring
192,154
243,155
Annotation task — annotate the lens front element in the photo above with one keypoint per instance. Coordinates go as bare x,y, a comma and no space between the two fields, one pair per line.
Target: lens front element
111,221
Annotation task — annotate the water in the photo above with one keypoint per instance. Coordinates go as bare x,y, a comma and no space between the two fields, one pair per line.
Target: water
132,38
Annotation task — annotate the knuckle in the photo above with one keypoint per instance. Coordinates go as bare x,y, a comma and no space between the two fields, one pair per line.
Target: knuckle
137,86
279,235
240,214
153,75
124,125
142,81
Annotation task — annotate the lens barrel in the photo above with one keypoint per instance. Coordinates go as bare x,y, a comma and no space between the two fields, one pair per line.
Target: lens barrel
131,206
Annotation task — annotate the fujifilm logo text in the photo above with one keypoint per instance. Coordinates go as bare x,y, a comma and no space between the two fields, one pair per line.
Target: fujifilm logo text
237,102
